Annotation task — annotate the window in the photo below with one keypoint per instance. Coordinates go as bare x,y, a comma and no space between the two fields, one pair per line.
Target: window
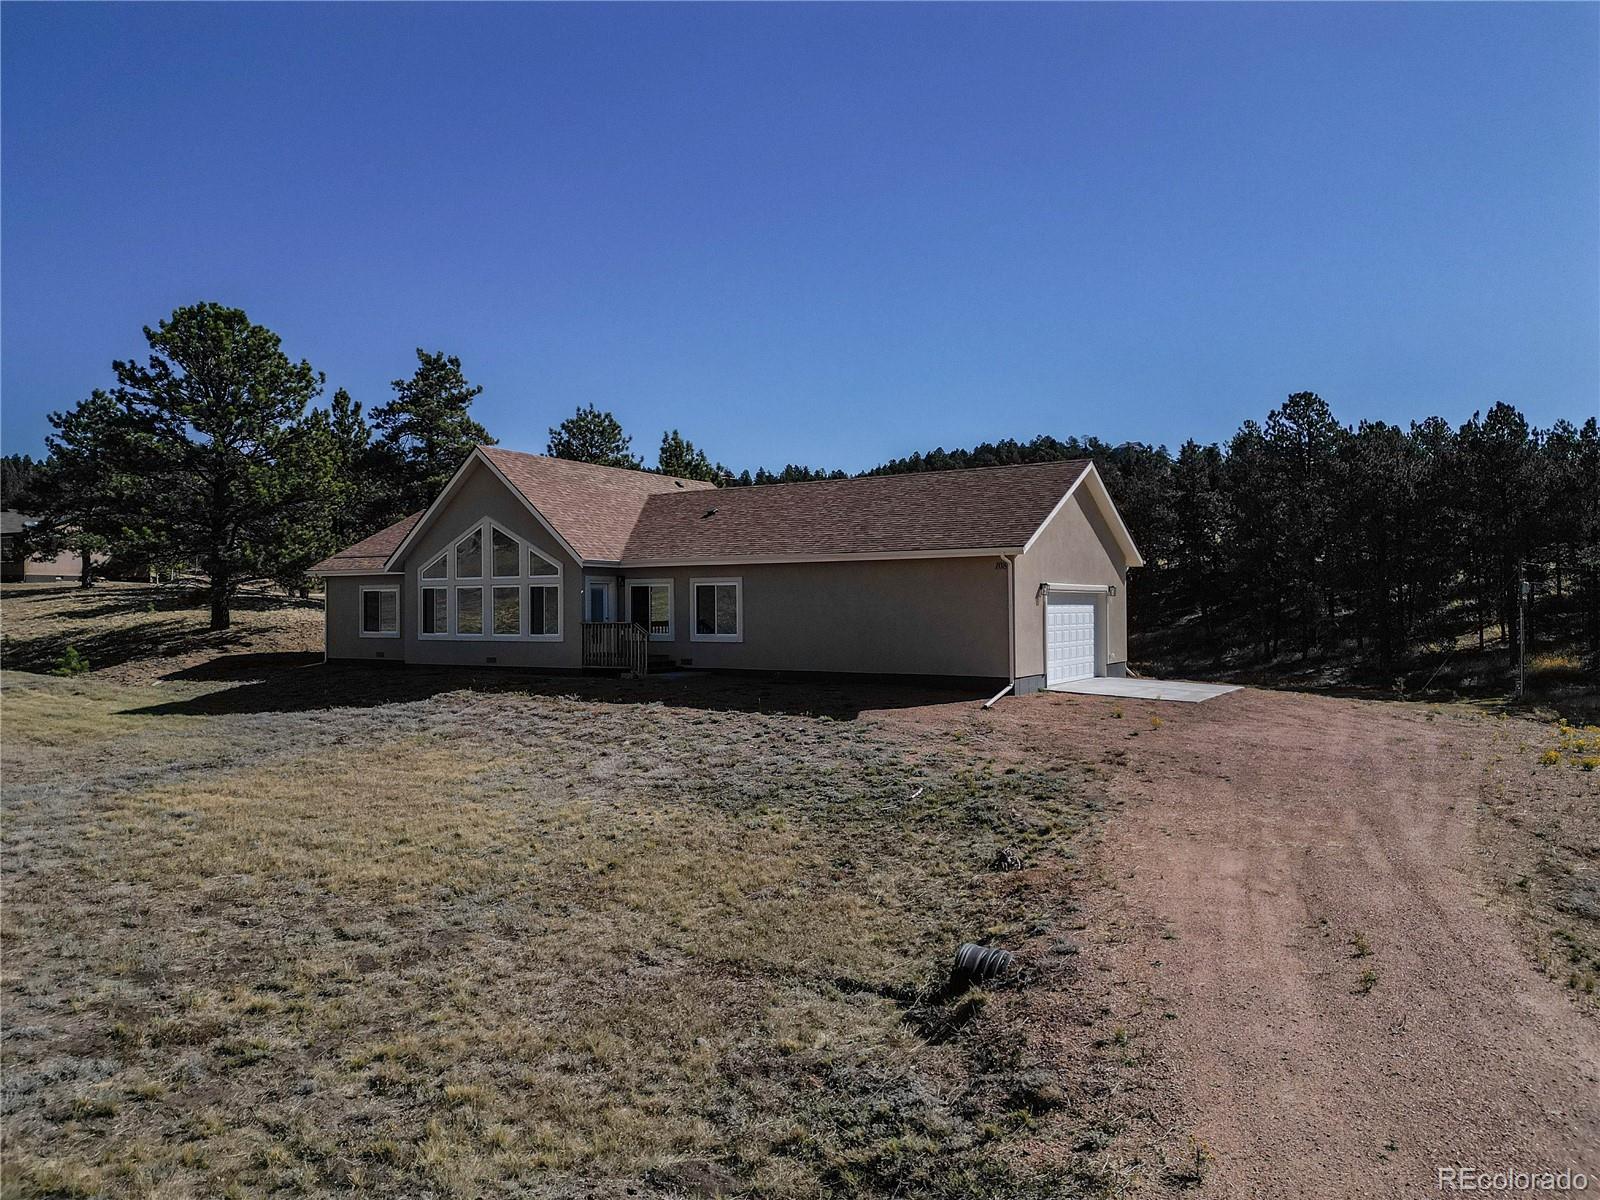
469,610
507,610
506,555
718,610
457,601
380,612
469,556
435,611
544,611
650,605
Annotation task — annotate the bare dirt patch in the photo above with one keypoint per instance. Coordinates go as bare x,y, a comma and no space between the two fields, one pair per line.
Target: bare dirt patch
1307,897
1541,839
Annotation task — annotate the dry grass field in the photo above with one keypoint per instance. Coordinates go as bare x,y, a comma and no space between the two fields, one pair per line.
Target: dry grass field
274,927
136,633
418,934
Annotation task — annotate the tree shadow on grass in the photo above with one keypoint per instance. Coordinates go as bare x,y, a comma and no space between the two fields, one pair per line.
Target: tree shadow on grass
285,683
152,639
114,624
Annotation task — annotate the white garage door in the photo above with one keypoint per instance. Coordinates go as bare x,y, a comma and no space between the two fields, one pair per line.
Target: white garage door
1068,639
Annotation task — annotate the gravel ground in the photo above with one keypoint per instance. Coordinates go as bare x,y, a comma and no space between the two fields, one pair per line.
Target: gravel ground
1312,895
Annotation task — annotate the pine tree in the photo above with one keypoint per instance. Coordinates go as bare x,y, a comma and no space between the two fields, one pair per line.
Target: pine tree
423,435
17,471
682,458
79,496
592,436
213,427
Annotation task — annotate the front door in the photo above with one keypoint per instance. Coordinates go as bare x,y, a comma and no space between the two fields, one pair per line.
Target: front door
600,600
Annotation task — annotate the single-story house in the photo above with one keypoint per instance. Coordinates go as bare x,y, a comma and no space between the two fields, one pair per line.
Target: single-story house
18,567
1006,574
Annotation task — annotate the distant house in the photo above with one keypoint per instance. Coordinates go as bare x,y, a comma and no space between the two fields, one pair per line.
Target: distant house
15,567
1015,573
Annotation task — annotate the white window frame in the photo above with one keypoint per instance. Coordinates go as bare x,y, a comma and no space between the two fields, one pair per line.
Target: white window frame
475,585
543,581
428,585
522,555
672,624
482,530
516,589
694,610
361,612
487,582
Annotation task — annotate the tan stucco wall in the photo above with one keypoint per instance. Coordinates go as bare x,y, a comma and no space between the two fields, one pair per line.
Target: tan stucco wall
910,616
480,495
341,617
1076,547
65,565
943,616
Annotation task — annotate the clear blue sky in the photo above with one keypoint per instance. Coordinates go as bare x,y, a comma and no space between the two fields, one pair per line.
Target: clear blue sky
823,234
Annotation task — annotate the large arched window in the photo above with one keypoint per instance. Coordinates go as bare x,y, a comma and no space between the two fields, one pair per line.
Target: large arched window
490,584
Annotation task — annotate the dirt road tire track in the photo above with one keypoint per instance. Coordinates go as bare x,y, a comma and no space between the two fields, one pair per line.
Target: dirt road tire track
1273,849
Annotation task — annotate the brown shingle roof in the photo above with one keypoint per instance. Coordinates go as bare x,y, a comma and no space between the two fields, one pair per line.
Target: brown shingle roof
593,508
369,554
983,508
608,514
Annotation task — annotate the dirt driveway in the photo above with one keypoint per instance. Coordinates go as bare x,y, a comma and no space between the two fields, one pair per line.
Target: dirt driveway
1340,997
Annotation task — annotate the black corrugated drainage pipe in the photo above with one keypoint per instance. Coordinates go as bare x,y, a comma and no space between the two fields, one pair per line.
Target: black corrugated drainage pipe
979,964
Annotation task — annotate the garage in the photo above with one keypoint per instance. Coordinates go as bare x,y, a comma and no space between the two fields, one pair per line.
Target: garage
1069,638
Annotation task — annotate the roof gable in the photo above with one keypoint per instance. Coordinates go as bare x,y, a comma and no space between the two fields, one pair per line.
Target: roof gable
637,518
1095,487
588,509
592,508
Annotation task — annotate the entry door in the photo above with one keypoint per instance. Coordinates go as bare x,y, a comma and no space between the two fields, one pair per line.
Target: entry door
600,600
1068,639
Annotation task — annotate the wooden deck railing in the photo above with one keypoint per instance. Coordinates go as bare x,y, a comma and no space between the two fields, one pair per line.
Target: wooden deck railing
616,645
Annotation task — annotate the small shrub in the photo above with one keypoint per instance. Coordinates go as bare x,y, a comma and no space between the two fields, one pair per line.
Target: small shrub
70,663
1190,1171
1359,946
1550,758
1368,981
89,1107
1117,713
1156,722
1555,664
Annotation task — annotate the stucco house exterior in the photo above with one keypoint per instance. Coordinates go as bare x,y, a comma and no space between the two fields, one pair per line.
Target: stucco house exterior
18,567
1007,574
